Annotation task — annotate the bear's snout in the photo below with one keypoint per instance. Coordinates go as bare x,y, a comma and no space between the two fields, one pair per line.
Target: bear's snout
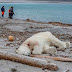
24,50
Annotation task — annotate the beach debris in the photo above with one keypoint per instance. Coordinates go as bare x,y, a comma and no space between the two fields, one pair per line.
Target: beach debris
36,62
14,70
31,27
54,58
66,71
11,38
28,20
47,70
59,24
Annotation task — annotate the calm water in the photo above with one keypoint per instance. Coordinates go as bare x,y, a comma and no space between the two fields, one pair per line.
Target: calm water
45,12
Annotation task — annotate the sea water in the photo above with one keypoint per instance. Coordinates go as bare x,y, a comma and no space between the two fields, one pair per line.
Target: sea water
44,12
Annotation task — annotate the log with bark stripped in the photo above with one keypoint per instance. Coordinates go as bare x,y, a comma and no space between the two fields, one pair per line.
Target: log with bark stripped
28,60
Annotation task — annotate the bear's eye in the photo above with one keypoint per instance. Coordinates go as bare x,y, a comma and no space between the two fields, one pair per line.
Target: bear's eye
28,44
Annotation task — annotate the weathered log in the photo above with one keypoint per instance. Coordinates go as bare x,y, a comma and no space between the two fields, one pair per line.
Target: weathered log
54,58
28,60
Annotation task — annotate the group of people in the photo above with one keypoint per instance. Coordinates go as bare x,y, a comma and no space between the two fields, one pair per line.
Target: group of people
11,12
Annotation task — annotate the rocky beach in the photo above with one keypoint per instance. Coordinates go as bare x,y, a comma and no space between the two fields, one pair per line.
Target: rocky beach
21,30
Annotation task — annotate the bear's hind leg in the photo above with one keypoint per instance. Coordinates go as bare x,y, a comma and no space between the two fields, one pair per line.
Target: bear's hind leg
60,45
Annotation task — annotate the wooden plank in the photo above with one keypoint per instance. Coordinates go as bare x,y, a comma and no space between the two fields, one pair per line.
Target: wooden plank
54,58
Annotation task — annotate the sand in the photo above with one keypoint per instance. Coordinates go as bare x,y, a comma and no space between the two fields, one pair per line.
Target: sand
21,30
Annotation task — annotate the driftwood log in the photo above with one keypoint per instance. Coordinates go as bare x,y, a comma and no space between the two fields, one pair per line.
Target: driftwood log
54,58
27,60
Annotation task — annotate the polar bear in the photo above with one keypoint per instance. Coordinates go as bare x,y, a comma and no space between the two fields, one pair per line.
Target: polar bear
43,42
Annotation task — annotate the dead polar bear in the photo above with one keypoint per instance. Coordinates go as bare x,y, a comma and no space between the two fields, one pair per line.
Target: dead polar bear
42,42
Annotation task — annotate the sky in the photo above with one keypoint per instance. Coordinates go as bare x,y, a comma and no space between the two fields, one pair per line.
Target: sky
29,0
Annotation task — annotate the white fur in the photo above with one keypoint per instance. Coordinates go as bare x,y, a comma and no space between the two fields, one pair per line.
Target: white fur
42,42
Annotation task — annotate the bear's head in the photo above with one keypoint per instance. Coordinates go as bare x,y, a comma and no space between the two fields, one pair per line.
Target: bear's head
24,50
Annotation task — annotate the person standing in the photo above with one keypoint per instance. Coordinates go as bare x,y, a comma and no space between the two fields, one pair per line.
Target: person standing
3,10
11,12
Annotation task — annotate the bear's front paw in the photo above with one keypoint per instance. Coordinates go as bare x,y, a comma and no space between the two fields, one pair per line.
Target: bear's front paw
51,50
36,52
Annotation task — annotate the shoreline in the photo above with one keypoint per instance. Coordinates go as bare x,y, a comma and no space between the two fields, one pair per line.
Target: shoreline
39,22
53,23
35,1
33,21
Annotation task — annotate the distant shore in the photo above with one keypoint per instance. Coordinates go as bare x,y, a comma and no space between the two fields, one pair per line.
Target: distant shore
35,1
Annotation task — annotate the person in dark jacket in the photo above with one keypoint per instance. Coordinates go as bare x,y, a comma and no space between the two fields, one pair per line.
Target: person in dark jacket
3,10
11,13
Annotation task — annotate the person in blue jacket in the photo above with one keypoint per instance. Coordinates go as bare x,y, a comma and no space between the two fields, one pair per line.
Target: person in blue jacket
3,10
